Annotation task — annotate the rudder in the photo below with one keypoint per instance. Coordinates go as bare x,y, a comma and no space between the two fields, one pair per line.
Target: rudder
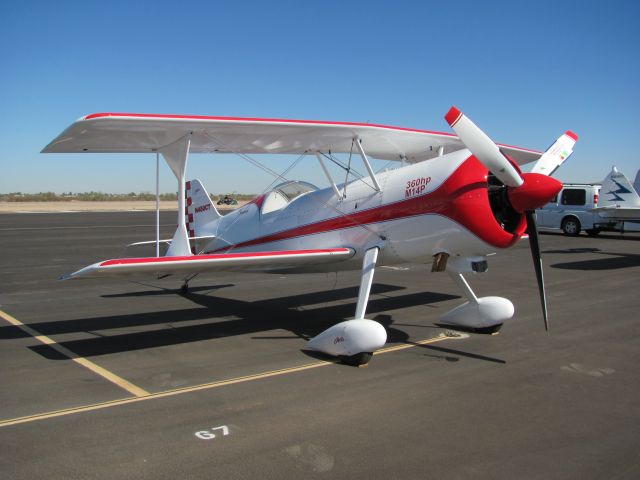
201,214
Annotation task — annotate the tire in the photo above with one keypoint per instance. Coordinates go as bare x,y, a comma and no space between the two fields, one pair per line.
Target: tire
571,226
592,232
357,360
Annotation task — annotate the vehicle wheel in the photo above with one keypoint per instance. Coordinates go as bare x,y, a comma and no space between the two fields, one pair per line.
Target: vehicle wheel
592,232
358,359
571,226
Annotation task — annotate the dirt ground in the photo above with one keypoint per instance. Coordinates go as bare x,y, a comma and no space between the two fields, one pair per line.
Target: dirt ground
78,206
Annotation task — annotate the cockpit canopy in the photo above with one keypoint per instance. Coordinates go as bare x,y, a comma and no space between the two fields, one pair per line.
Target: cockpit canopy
284,193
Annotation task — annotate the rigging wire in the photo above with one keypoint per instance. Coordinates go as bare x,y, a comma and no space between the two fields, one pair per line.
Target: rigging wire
356,173
346,178
280,177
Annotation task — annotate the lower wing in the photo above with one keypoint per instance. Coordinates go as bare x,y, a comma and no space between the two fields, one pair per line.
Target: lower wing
253,261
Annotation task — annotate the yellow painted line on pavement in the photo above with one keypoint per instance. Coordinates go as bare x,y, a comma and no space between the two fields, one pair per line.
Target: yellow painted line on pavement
88,364
204,386
404,346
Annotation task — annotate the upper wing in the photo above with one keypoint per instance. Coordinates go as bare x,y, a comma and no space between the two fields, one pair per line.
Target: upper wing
253,261
137,133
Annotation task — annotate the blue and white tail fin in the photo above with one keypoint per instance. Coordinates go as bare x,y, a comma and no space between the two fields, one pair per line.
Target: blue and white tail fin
201,215
617,191
636,183
556,154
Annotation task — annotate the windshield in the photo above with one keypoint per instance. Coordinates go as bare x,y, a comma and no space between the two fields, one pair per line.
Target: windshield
294,189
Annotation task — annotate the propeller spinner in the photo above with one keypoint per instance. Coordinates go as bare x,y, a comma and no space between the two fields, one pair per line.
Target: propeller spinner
525,192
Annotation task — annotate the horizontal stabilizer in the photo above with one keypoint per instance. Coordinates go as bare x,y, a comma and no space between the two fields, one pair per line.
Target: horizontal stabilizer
251,261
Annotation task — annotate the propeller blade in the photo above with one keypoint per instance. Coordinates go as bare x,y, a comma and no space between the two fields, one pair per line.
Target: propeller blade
556,154
537,262
483,148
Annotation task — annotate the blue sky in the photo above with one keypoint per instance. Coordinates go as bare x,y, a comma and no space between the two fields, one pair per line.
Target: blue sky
524,71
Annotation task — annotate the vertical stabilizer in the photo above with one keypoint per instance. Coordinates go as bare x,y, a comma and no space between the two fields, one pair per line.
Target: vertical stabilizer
636,183
617,191
201,214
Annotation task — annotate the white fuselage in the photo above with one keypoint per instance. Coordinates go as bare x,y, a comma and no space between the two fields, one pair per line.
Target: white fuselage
393,219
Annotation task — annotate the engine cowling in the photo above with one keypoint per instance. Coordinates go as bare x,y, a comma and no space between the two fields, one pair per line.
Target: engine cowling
350,338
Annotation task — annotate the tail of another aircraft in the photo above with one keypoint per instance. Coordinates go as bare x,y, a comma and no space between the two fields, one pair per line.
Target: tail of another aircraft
636,183
617,191
201,214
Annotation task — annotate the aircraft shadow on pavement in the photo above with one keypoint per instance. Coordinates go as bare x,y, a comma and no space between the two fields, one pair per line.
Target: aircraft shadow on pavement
631,236
459,353
165,291
286,313
613,261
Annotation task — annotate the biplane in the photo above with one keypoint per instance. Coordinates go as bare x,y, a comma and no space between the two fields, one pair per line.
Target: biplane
454,199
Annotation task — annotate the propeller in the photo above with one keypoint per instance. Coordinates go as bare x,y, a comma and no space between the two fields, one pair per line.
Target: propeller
483,148
534,245
525,192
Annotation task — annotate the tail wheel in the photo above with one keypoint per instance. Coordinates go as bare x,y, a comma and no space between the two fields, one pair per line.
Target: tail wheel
571,226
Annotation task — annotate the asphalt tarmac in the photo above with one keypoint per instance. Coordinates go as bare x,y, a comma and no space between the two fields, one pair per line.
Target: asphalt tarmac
132,380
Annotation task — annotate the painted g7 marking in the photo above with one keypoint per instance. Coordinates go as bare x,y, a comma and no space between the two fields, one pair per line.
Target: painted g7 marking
209,435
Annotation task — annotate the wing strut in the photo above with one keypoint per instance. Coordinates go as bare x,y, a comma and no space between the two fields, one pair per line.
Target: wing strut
176,155
329,177
365,160
157,204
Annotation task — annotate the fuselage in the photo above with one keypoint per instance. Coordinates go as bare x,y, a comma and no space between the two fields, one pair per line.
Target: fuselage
441,205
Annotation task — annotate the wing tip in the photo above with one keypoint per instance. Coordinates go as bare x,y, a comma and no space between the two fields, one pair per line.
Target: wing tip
571,134
453,115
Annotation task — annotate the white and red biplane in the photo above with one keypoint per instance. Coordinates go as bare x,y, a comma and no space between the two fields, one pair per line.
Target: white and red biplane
455,199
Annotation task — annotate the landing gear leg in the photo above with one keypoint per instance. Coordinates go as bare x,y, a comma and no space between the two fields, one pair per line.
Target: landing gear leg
184,289
477,315
354,341
368,269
